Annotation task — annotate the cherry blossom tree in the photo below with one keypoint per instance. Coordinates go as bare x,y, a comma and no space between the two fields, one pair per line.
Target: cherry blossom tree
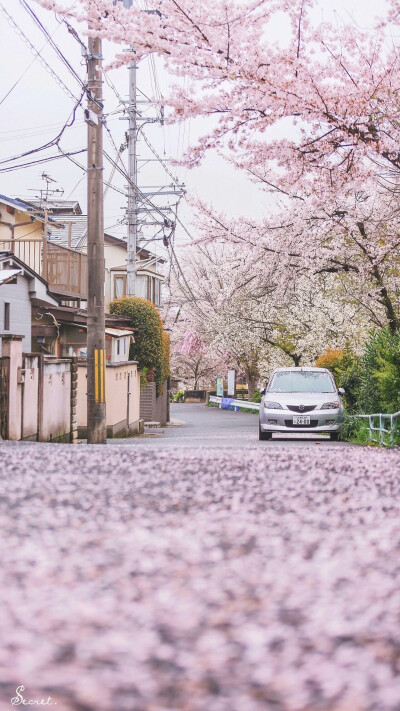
238,307
313,101
192,361
309,111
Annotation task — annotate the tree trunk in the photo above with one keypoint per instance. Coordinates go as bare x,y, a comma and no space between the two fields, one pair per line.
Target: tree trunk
296,359
252,381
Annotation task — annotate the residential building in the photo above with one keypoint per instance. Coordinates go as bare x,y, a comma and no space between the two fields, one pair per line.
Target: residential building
73,235
21,290
27,231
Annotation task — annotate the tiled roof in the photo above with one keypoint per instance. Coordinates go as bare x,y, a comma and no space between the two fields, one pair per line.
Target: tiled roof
59,207
79,228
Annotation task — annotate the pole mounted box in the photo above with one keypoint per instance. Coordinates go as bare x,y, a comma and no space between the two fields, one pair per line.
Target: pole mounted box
91,117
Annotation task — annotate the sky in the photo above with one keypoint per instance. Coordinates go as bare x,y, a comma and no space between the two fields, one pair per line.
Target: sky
34,107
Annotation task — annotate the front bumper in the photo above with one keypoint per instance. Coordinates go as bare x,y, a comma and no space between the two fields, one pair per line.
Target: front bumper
282,421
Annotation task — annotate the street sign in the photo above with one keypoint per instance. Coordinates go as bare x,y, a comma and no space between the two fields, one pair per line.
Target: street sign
220,386
231,383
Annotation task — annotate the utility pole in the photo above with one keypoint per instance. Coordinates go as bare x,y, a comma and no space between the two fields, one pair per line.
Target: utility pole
135,202
132,195
132,171
96,355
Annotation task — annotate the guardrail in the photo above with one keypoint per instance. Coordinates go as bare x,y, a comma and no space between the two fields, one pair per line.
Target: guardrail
227,403
381,429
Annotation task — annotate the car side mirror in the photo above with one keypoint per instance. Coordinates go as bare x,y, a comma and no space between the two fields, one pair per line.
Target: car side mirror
341,391
263,391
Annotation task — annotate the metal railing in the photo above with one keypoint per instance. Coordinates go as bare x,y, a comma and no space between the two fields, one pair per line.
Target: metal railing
382,431
228,402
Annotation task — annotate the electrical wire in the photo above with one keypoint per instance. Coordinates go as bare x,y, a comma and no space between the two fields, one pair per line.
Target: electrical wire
82,167
51,42
42,160
23,134
55,141
29,44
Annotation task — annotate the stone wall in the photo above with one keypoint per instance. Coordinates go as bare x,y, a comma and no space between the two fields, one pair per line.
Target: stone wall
152,408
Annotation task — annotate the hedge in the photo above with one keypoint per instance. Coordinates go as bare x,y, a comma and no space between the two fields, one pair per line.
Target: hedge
151,347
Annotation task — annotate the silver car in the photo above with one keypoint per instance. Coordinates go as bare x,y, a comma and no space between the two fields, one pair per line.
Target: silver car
301,400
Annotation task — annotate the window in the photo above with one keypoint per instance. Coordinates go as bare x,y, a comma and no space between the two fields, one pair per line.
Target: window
119,286
301,382
6,316
157,300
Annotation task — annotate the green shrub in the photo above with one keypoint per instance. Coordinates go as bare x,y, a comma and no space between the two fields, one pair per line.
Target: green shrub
150,349
345,367
379,389
354,430
256,397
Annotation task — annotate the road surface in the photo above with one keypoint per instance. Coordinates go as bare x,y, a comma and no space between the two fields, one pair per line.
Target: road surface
200,570
212,427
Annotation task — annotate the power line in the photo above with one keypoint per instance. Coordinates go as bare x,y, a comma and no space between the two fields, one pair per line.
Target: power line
41,160
23,134
51,42
29,44
21,77
55,141
82,167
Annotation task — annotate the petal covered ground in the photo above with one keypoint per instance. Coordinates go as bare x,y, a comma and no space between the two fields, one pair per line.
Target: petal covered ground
202,580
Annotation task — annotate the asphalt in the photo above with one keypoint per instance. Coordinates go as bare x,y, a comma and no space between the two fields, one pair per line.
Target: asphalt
198,425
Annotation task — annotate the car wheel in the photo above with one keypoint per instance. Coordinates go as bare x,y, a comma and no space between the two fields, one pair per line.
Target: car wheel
334,436
264,435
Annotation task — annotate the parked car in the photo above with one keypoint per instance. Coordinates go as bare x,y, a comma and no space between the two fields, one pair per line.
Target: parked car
301,400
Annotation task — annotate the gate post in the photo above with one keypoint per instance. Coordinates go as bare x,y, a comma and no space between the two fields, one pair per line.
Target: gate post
12,349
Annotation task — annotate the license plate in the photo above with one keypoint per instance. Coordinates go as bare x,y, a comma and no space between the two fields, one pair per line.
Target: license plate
301,420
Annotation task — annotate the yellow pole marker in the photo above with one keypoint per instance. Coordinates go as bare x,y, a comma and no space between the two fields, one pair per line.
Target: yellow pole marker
102,376
96,375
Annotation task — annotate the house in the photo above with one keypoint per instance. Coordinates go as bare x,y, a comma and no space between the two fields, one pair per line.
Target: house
21,290
73,235
62,331
26,229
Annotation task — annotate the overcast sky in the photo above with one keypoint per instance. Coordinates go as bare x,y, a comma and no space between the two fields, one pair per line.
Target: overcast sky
37,107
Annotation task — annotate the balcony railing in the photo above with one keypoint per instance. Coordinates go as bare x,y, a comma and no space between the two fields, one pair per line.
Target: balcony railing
64,269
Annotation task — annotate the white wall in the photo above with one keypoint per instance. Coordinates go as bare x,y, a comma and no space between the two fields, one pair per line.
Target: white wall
17,295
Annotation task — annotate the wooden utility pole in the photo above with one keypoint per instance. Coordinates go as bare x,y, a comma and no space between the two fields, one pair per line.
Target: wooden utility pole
96,355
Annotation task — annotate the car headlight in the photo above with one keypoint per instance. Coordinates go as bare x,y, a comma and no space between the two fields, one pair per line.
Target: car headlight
330,405
272,405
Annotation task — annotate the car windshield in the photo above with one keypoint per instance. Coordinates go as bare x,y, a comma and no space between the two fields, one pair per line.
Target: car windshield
306,381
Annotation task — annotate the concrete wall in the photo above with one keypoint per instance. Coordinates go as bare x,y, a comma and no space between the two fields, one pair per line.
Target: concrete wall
122,398
30,397
39,395
17,295
55,409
